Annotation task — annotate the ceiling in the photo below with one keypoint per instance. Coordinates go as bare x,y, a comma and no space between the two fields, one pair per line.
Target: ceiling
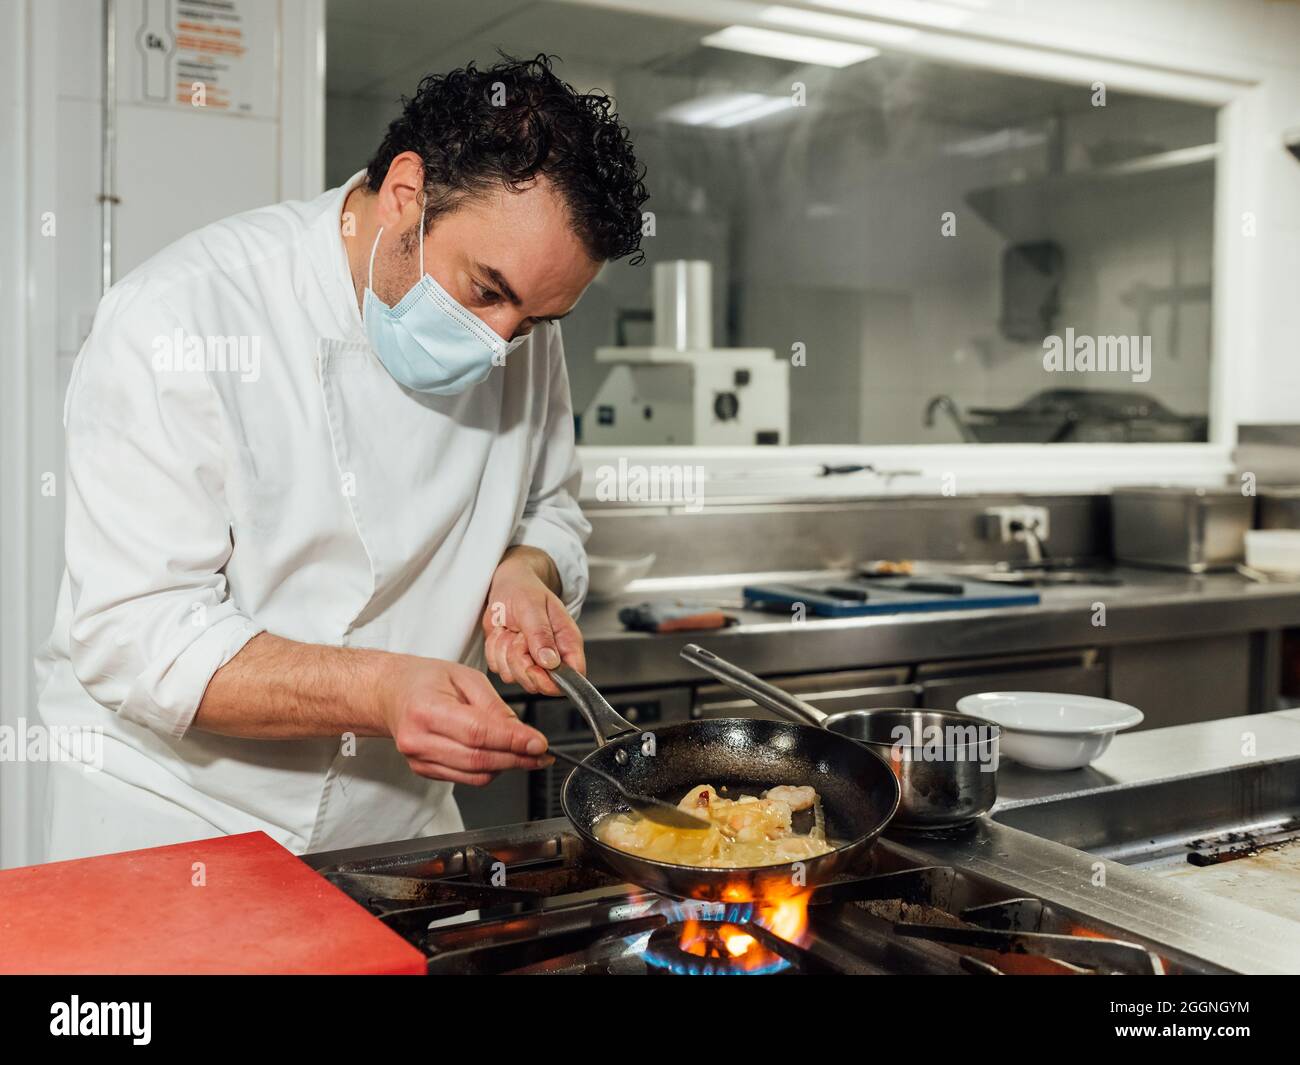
379,49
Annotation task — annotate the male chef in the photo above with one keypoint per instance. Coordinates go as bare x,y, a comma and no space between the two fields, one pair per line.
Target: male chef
320,465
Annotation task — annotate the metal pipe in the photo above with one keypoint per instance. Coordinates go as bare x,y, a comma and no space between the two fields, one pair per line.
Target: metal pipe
108,145
949,406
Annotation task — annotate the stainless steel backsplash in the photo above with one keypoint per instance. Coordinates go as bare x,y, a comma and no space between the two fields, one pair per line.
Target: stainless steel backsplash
766,537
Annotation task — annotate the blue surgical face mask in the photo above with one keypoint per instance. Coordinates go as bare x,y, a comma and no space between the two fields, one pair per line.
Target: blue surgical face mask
429,342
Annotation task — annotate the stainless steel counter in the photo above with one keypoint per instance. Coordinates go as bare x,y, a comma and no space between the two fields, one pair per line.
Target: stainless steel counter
1226,932
1162,754
1149,605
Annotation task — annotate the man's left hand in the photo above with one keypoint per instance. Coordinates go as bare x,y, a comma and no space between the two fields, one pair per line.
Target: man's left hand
525,626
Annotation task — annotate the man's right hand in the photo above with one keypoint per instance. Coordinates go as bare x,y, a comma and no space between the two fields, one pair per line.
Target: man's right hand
449,723
445,718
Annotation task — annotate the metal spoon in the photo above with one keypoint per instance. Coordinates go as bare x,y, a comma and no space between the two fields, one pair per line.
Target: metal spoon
662,813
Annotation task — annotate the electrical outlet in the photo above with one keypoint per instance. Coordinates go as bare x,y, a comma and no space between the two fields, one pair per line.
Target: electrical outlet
998,521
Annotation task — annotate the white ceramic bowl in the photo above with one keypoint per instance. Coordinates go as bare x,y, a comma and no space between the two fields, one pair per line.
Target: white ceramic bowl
1274,550
1048,731
607,577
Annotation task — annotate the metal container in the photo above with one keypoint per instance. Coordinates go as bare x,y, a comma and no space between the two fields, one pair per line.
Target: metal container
683,308
1279,508
946,763
1190,529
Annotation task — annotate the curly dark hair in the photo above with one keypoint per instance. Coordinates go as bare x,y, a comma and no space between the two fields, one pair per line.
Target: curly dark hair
510,123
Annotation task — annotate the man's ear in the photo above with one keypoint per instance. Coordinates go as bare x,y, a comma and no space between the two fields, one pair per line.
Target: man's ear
399,195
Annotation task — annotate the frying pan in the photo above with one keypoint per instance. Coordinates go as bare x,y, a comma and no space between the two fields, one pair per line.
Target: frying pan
858,790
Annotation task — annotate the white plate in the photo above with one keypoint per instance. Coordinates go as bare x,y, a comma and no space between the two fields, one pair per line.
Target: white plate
1052,731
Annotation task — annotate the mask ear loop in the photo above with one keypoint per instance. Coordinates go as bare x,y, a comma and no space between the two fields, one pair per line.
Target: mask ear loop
370,270
423,200
370,273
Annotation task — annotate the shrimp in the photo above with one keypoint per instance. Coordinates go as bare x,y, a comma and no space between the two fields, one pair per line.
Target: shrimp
796,797
752,820
700,799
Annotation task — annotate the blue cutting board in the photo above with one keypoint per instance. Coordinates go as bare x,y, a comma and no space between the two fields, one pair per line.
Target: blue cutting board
885,597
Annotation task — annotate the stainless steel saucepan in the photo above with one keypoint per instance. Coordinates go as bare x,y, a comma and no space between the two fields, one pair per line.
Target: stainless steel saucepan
945,762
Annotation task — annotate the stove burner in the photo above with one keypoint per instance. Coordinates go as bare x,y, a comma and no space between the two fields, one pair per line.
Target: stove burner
723,939
711,948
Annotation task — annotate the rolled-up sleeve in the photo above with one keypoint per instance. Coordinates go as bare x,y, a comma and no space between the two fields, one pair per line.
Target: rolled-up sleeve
552,520
148,532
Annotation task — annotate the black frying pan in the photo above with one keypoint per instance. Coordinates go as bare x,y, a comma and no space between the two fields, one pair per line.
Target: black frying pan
858,790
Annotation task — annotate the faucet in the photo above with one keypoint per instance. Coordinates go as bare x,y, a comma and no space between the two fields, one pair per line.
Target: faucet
949,405
1019,524
1030,533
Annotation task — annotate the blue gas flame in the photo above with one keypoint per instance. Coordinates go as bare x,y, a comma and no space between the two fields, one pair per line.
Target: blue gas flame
718,913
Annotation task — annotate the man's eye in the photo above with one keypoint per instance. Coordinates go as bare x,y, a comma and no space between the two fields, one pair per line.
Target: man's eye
486,295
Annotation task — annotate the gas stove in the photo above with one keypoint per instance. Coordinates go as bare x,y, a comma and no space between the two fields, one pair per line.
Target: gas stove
528,899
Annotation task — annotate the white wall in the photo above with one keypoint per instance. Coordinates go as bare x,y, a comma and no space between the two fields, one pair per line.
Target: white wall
176,170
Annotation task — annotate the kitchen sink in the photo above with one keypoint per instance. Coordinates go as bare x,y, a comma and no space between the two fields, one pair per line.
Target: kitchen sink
1047,577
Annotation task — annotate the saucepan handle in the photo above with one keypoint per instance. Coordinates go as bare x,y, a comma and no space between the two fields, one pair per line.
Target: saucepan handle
605,722
768,696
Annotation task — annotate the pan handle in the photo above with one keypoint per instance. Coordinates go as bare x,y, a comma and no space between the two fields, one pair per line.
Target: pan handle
603,719
766,695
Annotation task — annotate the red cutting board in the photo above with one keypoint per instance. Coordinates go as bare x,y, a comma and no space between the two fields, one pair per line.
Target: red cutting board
261,910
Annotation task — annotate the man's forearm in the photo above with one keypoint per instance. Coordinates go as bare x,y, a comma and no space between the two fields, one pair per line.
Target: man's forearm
280,689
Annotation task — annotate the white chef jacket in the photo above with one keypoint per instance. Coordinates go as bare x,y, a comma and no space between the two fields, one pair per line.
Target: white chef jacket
302,492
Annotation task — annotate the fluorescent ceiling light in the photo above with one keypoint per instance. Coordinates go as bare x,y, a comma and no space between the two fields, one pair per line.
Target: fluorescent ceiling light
726,109
792,46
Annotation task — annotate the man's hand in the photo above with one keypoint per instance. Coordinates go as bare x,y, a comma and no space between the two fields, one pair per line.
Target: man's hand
525,626
445,718
449,723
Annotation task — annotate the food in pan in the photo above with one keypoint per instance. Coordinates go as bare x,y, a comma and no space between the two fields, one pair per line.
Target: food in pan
888,568
735,833
797,797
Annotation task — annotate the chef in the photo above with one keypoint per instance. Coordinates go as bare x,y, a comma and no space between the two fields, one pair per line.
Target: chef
321,468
